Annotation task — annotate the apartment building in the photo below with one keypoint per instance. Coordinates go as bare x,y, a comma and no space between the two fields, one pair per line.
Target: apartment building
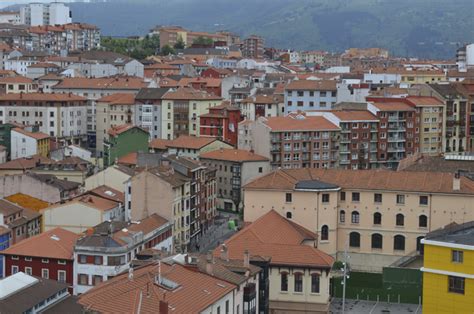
467,89
26,144
38,14
48,255
22,222
221,122
170,35
58,115
294,141
234,169
379,215
149,111
166,192
262,106
399,130
122,140
252,47
432,124
310,95
448,276
106,250
313,57
181,109
17,84
295,271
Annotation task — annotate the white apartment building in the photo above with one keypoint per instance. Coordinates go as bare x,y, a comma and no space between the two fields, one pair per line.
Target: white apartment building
38,14
310,95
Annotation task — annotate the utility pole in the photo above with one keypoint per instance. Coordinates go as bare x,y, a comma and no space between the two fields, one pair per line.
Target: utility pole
344,280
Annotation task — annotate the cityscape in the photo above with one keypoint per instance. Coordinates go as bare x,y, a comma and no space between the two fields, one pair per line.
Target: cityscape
184,170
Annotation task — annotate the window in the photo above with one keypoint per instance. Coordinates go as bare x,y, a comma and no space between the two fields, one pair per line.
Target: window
227,307
456,284
377,240
342,216
45,273
260,169
355,217
14,269
82,259
400,220
288,197
377,198
315,283
423,200
325,198
422,221
45,260
399,243
83,279
98,260
284,281
298,282
325,233
96,279
457,256
354,239
355,196
61,262
400,199
343,196
218,310
61,276
15,257
28,271
377,218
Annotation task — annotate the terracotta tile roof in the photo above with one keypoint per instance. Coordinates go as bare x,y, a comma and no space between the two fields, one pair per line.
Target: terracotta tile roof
421,101
119,99
159,143
264,99
129,159
7,208
147,225
300,123
109,193
284,247
161,66
57,243
409,181
354,115
192,142
96,202
41,97
27,201
119,129
395,105
236,155
187,93
102,83
324,85
15,79
44,65
24,163
196,291
35,135
207,81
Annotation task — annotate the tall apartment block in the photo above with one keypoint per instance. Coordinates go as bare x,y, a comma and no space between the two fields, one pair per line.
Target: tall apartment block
39,14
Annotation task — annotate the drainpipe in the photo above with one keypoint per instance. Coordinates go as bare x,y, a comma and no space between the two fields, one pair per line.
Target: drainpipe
430,212
317,219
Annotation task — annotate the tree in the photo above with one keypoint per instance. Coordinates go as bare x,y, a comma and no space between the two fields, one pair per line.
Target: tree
203,41
179,43
167,50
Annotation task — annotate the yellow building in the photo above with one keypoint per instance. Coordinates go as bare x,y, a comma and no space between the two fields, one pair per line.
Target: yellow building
448,272
422,76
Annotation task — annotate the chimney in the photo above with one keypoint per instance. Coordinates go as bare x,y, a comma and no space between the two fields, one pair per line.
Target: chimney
457,181
163,308
209,263
130,273
246,258
224,252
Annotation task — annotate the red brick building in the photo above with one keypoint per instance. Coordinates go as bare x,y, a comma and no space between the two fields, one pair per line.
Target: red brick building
221,122
211,85
216,73
48,255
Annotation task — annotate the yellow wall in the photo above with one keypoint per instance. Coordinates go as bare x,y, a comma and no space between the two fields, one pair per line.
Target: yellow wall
43,147
436,297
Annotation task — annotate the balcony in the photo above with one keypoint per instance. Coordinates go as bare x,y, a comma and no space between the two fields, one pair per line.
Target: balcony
344,161
345,140
396,139
396,149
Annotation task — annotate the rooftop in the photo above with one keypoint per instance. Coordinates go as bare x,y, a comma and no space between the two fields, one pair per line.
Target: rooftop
192,142
119,99
324,85
35,135
299,123
460,234
36,97
27,201
235,155
119,82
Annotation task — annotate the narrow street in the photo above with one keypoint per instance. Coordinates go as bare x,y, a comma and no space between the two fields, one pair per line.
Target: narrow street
216,234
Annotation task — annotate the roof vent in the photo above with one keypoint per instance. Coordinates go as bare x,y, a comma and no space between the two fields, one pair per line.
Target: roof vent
55,237
166,283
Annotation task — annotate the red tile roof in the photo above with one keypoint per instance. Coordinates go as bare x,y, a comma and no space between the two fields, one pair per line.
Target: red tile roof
35,135
24,163
16,80
192,142
187,93
421,101
102,83
236,155
57,243
41,97
354,115
284,247
395,105
300,123
159,143
119,99
129,159
119,129
323,85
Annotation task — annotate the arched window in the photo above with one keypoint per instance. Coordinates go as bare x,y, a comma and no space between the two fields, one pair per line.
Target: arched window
399,243
355,217
400,220
324,233
377,241
354,239
377,218
288,215
315,283
342,216
284,281
298,282
422,221
419,245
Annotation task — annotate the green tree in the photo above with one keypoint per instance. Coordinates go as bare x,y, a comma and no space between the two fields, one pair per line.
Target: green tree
179,43
203,41
167,50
